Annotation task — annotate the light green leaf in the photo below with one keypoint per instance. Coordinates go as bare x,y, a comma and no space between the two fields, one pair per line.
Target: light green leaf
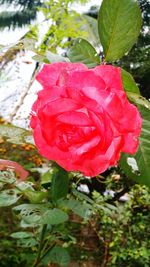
129,83
41,58
28,43
55,58
138,99
54,216
8,197
46,177
15,134
90,25
137,167
83,51
31,213
35,196
27,242
119,25
21,235
58,255
7,177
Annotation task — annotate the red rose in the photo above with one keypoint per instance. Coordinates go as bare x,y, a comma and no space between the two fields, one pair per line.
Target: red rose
82,118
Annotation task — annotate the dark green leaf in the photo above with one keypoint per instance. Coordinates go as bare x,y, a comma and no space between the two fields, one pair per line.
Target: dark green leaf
58,255
60,183
119,25
138,166
129,83
83,51
55,216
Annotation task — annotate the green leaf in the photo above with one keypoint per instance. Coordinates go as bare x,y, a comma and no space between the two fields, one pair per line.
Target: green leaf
129,83
55,58
46,178
35,196
15,134
60,183
83,51
90,25
21,235
138,99
82,196
55,216
119,25
28,43
31,213
8,197
58,255
7,177
137,167
41,58
83,210
27,242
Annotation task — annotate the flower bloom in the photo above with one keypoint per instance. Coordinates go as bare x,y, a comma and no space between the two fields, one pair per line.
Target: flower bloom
82,118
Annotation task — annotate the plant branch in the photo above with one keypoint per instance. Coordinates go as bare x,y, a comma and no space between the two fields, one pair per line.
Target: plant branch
37,261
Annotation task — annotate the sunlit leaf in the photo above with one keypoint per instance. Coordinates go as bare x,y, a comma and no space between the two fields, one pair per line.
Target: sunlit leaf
119,25
129,83
83,51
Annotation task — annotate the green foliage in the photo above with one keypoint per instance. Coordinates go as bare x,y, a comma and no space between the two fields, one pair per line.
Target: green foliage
137,61
15,135
119,25
128,82
8,197
57,255
59,178
54,217
83,51
57,222
90,26
126,230
121,229
140,172
64,25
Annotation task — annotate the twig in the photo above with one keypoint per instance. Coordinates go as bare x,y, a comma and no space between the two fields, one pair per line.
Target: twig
37,261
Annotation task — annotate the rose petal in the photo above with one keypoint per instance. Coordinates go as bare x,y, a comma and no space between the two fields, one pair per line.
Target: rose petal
111,75
75,118
49,74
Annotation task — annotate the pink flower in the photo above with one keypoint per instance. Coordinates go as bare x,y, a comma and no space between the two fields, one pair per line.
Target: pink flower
82,118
